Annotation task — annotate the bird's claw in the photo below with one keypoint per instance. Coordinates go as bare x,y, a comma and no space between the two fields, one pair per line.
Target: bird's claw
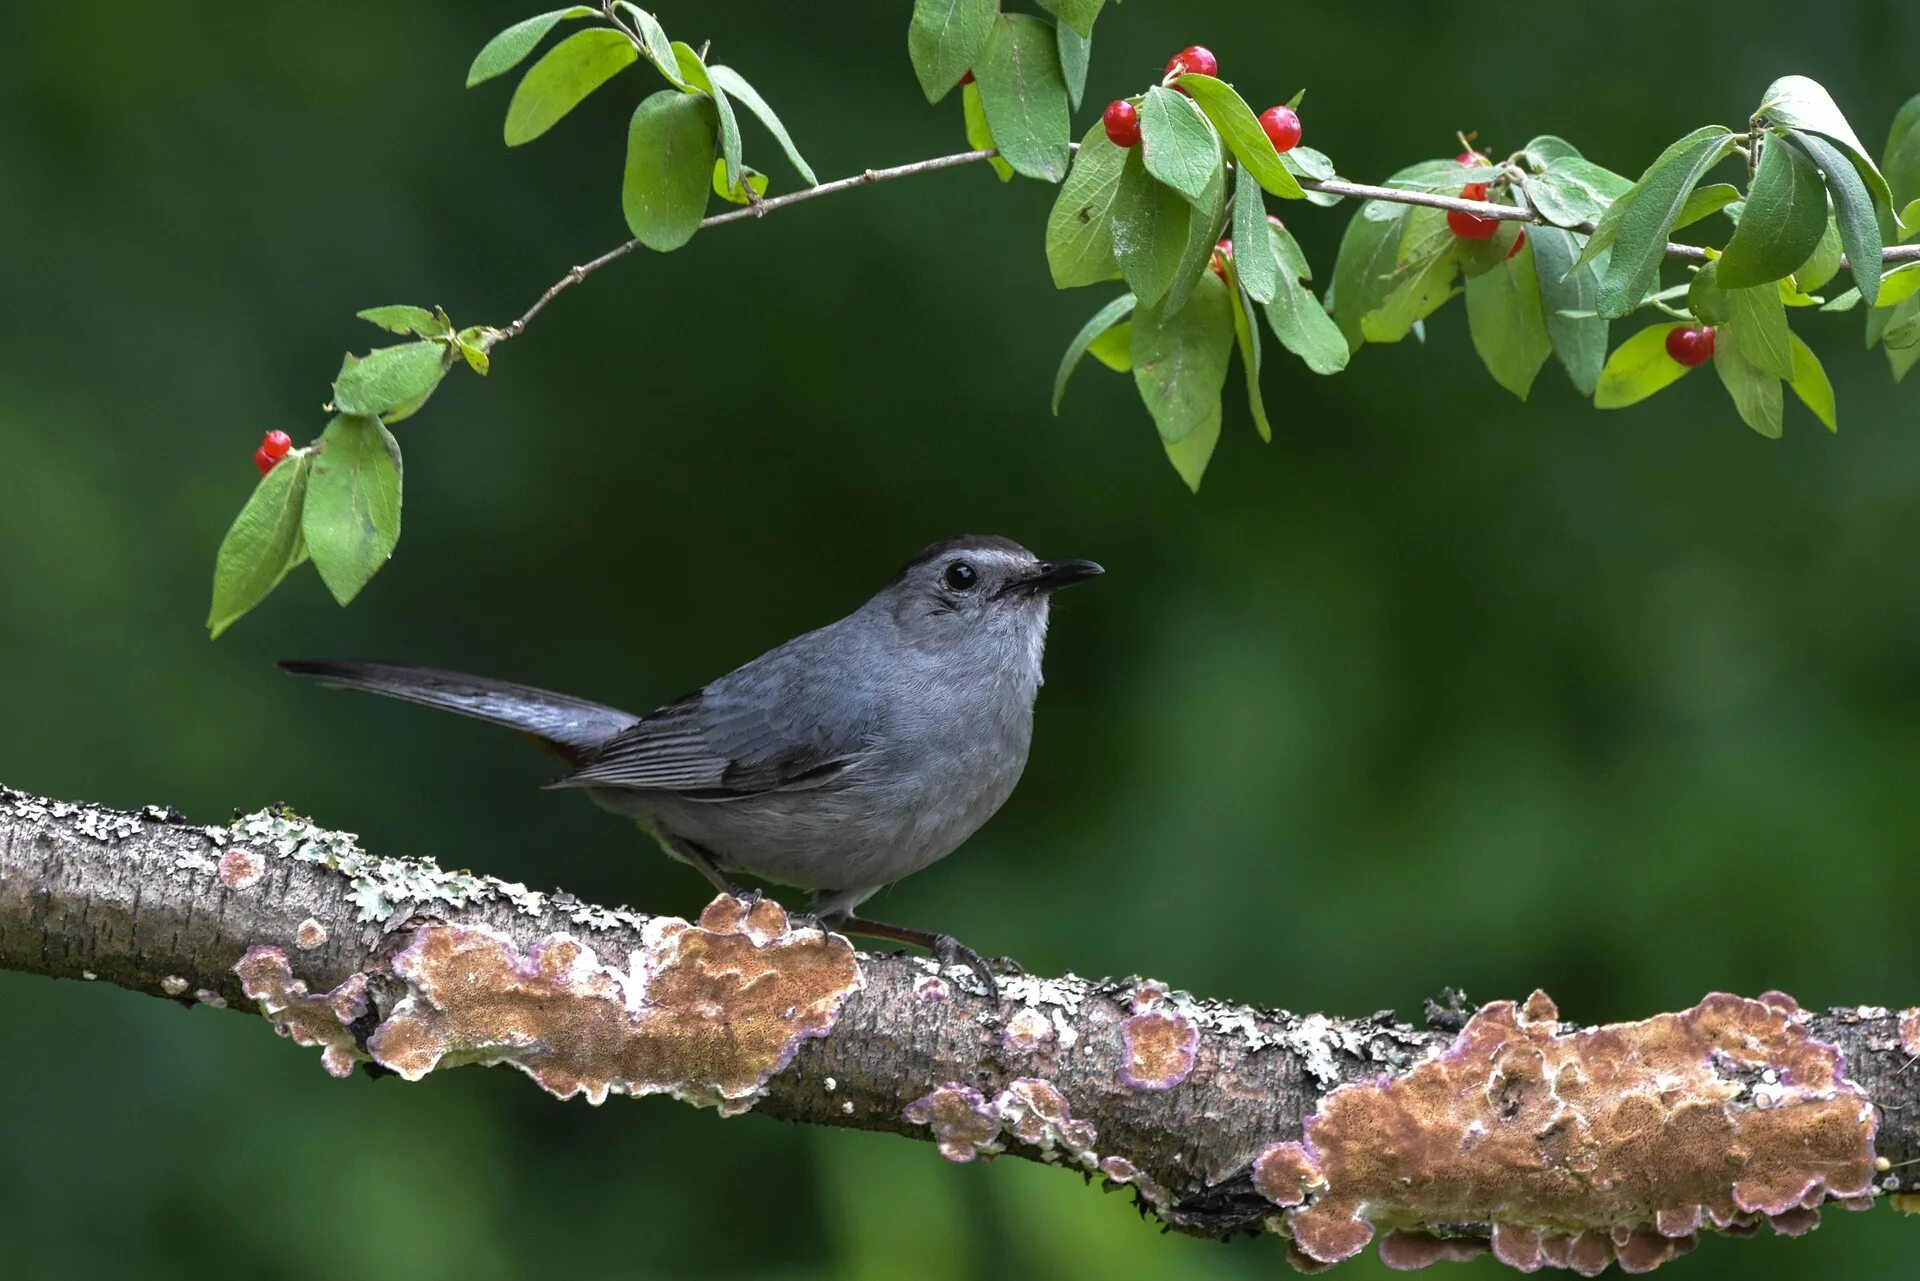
949,950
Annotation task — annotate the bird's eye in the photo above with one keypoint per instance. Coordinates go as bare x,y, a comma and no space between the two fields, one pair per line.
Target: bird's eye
960,576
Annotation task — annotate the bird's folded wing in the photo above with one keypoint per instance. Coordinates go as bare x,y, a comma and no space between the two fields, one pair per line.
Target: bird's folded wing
735,738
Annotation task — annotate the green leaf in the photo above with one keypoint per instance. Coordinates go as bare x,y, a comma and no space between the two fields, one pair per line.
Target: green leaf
1149,222
564,76
505,51
1901,161
1363,271
1547,148
1254,262
1635,227
1579,342
352,519
750,179
1823,263
1076,52
1204,227
1710,199
1177,143
1809,383
1903,320
736,87
1246,334
1114,349
1898,285
1025,96
1758,319
1422,278
1103,320
1440,177
1180,358
1573,191
694,72
1639,367
262,545
408,320
980,137
475,355
1805,107
944,40
1509,331
1852,209
1192,452
669,168
1238,126
1785,213
1075,15
1755,392
1295,315
1706,299
658,48
388,379
1079,231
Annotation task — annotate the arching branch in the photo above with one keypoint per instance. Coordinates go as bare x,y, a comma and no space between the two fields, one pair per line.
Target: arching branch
1497,1128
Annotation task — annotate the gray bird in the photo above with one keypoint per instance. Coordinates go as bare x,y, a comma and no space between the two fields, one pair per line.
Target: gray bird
839,762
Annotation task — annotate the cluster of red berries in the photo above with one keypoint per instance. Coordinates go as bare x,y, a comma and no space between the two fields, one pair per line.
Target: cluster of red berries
274,446
1122,118
1471,226
1690,346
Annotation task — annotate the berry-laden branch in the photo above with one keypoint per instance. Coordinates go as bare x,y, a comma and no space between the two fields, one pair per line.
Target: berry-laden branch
1502,1127
1547,247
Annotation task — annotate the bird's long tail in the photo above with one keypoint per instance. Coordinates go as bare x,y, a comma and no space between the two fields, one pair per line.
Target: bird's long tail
567,726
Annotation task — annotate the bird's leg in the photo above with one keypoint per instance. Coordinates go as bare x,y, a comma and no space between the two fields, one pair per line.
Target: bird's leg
702,861
946,949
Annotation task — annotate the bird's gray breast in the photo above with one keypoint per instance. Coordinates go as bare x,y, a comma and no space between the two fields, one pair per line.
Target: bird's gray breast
935,740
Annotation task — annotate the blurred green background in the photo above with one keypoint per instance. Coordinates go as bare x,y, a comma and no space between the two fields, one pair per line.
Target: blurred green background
1438,688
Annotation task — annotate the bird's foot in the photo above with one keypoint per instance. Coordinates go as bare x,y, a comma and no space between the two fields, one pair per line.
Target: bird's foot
949,950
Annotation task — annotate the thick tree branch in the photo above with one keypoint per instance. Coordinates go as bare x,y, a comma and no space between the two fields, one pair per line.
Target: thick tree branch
1547,1142
1892,255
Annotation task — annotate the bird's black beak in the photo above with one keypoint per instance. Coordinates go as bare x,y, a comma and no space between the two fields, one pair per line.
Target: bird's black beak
1052,575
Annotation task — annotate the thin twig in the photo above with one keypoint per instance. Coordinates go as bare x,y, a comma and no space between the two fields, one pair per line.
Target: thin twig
1333,187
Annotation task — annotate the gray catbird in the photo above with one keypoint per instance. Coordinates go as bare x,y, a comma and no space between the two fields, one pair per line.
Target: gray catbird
840,761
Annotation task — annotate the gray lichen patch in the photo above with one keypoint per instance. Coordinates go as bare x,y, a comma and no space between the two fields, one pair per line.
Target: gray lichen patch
1910,1032
705,1012
323,1019
382,888
1584,1148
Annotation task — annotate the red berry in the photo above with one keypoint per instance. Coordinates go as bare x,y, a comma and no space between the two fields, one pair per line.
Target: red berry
1222,250
1122,122
1690,346
1471,226
1195,60
275,444
967,79
1471,159
1518,241
1276,222
1282,125
263,460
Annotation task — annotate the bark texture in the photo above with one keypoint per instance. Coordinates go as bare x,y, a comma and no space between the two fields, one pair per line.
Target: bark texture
1498,1127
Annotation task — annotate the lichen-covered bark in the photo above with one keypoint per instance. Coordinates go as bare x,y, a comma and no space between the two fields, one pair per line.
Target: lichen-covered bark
1504,1129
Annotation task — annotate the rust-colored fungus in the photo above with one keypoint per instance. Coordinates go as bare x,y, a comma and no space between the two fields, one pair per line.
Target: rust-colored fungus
1284,1173
707,1012
1036,1113
963,1126
1159,1045
1584,1148
308,1018
1411,1251
1027,1031
241,868
309,934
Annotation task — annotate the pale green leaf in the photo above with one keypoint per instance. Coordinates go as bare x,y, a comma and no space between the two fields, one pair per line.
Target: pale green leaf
1177,143
1756,393
751,180
1079,231
564,76
1149,223
1805,106
694,71
1246,334
352,517
1254,261
1639,367
1076,53
1362,273
1240,128
1809,383
505,51
1180,358
1103,320
669,168
944,40
1075,15
657,47
1823,263
262,545
1786,211
973,117
1635,226
1710,199
1025,96
402,319
389,379
1901,161
1192,452
1114,349
1580,341
1573,191
1509,330
736,87
1759,322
